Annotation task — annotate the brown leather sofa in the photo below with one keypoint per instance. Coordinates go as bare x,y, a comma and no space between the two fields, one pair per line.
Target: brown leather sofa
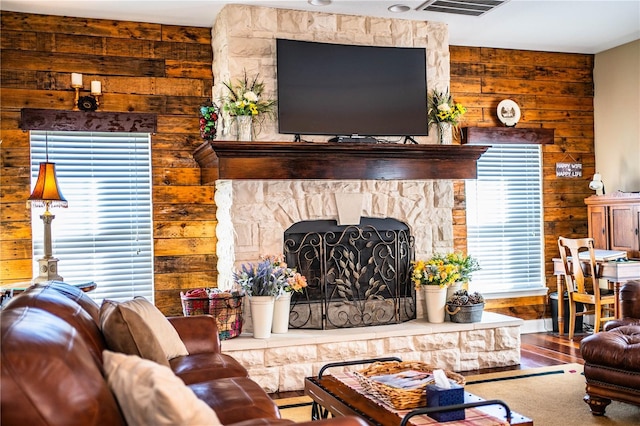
52,366
612,357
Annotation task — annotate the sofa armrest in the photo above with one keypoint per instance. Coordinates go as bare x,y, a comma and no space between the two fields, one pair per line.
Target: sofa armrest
199,333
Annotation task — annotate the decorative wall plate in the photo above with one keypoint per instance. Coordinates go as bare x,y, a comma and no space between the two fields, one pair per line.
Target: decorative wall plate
87,103
508,112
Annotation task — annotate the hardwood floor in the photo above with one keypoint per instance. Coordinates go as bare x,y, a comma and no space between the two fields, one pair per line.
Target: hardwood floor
536,350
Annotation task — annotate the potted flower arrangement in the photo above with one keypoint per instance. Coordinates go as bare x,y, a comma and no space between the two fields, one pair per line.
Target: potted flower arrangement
293,282
266,282
445,114
465,307
466,264
244,102
434,276
434,272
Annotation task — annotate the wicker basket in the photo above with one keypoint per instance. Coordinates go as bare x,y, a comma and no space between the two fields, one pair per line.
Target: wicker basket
400,399
226,308
194,306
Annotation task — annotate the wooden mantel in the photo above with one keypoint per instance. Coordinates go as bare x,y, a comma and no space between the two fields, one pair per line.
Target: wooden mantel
306,160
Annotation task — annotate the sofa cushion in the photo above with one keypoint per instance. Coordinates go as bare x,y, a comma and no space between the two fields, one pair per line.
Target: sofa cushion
236,399
137,327
150,394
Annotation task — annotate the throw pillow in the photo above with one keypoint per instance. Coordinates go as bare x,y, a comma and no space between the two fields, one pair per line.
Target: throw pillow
137,327
150,394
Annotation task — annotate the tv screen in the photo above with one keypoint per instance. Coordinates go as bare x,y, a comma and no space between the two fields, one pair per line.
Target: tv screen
345,90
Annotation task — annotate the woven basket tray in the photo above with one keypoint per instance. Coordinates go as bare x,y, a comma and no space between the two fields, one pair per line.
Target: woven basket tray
400,399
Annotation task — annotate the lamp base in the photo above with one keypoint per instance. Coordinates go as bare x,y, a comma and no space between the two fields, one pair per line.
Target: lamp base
48,269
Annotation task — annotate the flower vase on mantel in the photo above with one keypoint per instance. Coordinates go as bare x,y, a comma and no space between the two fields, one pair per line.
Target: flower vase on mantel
436,299
261,315
281,310
445,133
245,130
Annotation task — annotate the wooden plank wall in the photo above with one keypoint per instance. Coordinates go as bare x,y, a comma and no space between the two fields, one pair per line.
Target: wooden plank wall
143,67
553,90
167,70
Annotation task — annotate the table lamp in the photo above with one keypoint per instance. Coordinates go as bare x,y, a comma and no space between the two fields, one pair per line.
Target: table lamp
46,193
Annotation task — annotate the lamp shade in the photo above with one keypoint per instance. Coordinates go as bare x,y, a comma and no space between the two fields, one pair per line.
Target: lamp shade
46,191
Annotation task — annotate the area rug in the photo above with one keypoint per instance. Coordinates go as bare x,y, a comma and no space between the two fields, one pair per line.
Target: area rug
549,395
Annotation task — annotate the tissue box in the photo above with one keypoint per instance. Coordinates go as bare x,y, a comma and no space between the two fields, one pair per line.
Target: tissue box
439,397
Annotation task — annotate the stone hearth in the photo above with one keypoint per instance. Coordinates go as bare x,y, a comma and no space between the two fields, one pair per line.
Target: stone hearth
281,362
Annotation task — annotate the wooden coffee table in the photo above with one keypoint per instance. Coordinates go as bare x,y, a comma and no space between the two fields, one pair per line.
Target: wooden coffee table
331,395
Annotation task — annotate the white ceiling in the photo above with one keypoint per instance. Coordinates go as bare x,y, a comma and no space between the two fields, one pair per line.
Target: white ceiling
577,26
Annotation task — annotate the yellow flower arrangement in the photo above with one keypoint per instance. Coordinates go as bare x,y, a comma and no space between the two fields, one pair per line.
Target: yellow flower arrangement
435,271
245,98
442,109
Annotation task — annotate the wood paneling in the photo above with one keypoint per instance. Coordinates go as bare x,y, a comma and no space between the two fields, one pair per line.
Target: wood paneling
166,70
554,91
146,69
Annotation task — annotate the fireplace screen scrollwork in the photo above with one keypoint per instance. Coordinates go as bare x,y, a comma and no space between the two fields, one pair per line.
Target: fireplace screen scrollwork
357,275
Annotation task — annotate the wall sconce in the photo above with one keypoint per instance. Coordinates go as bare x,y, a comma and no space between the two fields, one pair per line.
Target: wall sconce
85,103
596,184
47,193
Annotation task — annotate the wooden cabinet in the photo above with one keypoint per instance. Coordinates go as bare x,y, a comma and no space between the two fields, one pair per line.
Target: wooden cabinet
614,222
598,229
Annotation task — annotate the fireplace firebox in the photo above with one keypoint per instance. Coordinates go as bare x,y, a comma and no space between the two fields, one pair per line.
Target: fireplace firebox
357,275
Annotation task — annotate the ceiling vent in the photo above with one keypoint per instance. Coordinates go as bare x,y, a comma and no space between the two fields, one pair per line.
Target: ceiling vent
461,7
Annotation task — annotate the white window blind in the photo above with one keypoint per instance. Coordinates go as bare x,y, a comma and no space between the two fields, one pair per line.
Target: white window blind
504,219
105,235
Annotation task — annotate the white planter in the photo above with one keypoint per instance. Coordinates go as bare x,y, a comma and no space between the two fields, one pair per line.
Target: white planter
261,315
281,309
245,127
435,299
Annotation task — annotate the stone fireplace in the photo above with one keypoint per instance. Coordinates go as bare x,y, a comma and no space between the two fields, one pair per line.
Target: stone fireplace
265,187
253,214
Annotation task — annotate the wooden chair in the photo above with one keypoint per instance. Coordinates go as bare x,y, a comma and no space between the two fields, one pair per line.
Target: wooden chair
581,279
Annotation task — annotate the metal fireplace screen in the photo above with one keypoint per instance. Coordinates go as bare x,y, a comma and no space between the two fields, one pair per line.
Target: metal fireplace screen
357,275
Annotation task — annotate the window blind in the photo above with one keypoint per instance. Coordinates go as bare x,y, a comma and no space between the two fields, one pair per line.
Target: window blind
504,219
105,235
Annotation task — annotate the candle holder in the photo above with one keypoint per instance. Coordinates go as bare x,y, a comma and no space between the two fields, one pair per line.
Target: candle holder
85,103
77,97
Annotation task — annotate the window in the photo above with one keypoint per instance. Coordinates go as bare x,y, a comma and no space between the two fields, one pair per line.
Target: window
105,235
504,220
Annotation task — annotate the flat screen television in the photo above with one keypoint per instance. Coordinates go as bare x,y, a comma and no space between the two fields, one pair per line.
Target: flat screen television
350,90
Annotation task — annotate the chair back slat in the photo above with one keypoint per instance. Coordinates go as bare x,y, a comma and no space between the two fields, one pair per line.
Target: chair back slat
579,274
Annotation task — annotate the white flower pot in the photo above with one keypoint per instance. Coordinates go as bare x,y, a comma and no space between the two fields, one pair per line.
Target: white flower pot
281,310
245,130
445,133
436,299
261,315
